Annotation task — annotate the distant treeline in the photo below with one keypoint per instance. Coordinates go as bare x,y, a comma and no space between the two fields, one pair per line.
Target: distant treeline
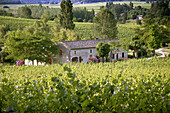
58,1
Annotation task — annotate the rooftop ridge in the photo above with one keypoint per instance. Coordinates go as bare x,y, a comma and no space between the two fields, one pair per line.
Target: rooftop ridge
90,40
84,43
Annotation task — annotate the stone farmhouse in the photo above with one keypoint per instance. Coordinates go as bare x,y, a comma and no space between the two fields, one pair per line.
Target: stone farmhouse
81,51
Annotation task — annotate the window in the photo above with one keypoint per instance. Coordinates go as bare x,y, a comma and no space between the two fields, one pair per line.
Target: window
122,55
91,56
90,51
74,52
113,56
61,52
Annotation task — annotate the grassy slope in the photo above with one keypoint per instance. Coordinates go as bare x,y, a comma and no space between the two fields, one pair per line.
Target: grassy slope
85,30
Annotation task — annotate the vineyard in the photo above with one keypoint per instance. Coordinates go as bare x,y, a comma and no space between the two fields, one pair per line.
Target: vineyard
85,30
133,86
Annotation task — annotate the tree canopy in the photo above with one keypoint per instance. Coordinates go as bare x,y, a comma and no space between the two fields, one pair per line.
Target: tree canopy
62,34
34,42
105,25
103,50
25,12
156,37
66,15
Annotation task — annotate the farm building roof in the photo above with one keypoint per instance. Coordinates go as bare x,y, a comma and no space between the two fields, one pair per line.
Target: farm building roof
85,43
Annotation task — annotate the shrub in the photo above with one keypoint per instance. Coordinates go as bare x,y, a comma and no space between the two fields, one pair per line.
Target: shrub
138,22
134,16
93,60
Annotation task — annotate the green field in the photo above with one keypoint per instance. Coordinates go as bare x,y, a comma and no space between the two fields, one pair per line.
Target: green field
138,86
85,30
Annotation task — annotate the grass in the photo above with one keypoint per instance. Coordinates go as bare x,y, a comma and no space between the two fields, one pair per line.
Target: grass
166,50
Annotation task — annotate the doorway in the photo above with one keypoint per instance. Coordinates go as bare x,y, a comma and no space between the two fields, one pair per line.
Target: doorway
75,59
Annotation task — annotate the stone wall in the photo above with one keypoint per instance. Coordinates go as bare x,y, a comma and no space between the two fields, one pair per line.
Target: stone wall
64,58
118,51
85,54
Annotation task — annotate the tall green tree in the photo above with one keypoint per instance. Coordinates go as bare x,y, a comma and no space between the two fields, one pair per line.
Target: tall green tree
26,12
131,5
158,14
156,37
124,17
103,50
66,15
105,25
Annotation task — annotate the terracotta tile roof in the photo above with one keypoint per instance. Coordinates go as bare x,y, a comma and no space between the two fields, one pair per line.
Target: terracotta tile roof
85,43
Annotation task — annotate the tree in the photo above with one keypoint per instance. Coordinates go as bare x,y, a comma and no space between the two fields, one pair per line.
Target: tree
158,14
26,12
34,42
124,17
135,44
3,31
131,5
155,37
105,25
81,14
66,15
61,34
103,50
117,44
118,9
21,45
51,2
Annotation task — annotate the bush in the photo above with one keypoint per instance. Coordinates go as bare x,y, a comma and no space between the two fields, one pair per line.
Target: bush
90,21
134,16
143,52
79,20
138,22
74,19
130,56
6,7
93,60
